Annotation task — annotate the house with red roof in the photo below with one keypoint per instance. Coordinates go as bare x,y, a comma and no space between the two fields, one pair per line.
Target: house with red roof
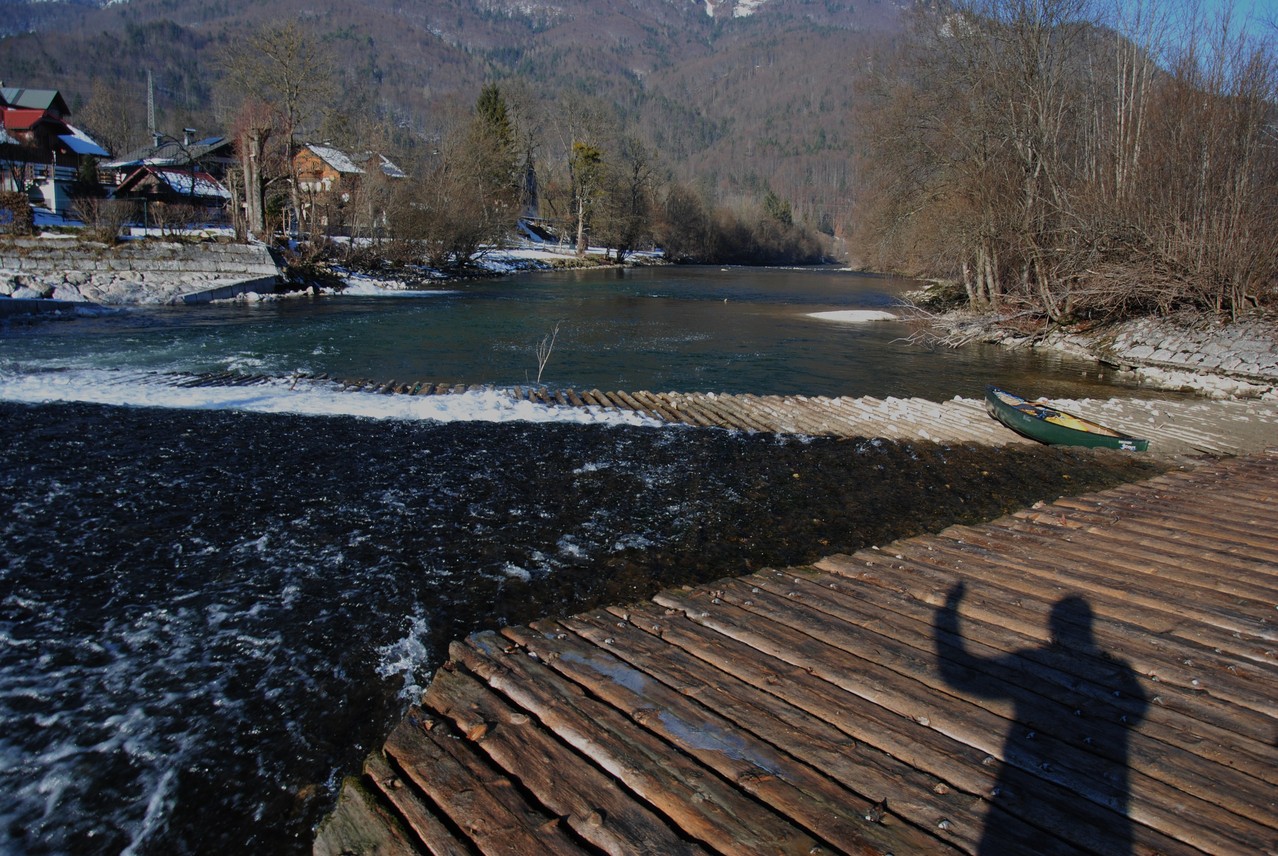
41,152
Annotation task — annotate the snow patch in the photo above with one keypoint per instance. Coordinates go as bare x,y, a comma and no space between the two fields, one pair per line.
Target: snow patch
854,316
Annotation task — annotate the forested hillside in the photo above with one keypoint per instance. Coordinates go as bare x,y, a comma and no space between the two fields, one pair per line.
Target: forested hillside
735,104
1072,159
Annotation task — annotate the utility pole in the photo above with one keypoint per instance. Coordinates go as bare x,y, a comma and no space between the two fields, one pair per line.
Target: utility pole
150,104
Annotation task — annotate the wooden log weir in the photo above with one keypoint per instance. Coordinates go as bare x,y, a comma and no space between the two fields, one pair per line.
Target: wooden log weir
1176,428
1092,675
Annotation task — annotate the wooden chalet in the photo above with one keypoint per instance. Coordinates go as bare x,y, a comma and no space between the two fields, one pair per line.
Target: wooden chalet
331,181
166,188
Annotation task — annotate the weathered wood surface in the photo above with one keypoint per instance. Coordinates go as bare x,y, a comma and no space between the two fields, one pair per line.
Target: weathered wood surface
868,704
1175,429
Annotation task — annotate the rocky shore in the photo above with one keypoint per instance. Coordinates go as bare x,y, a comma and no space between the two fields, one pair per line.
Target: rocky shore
1185,353
34,270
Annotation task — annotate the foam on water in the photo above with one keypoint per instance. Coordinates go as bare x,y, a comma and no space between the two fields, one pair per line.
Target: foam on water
300,397
407,658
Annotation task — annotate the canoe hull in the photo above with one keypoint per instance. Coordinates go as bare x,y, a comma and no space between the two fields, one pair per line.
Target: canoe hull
1031,420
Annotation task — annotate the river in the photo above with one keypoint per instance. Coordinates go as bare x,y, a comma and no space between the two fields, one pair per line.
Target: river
215,601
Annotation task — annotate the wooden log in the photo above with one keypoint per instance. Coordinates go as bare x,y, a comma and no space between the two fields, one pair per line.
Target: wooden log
1071,681
432,835
634,405
698,414
612,401
675,405
359,826
793,789
1093,570
708,404
1023,553
921,799
748,414
1206,727
971,553
1204,563
893,680
654,406
590,802
1228,520
480,802
1254,549
707,809
912,739
1204,670
603,401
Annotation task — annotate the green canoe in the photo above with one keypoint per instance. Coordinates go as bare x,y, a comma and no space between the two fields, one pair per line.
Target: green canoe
1038,421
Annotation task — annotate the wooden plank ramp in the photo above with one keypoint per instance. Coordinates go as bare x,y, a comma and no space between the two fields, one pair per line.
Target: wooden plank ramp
1176,428
1093,675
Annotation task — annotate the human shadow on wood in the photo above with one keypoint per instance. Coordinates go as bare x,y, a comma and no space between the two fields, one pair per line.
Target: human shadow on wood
1075,708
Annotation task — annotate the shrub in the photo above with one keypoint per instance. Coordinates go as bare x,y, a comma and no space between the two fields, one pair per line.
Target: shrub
16,217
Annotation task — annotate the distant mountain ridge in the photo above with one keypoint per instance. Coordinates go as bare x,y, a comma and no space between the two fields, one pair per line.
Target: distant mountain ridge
741,95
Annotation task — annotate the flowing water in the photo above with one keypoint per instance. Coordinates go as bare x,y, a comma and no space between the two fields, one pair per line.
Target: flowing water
214,602
661,329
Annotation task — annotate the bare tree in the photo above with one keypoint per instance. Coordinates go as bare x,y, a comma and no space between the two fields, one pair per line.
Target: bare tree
289,69
1076,169
259,136
545,348
459,202
627,203
113,120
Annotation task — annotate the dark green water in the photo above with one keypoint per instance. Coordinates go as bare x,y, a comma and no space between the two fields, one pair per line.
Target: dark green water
661,329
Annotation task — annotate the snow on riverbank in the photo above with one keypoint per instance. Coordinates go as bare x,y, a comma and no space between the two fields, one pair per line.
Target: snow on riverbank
854,316
1189,353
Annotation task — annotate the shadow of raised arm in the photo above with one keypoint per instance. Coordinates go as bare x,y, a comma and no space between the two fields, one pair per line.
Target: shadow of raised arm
960,668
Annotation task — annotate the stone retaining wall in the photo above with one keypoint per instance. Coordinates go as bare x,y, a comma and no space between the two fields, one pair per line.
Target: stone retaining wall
134,271
1218,360
1246,349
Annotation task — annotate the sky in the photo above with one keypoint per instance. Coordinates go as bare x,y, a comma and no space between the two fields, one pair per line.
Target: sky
1252,13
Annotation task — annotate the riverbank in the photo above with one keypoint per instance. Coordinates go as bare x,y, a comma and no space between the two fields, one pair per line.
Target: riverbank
60,272
1181,353
48,272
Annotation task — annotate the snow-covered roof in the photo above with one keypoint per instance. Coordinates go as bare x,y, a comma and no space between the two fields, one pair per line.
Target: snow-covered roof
182,181
82,144
391,169
169,152
377,161
336,158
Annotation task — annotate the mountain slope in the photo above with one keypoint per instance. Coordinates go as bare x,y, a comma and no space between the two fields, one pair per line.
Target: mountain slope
739,94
